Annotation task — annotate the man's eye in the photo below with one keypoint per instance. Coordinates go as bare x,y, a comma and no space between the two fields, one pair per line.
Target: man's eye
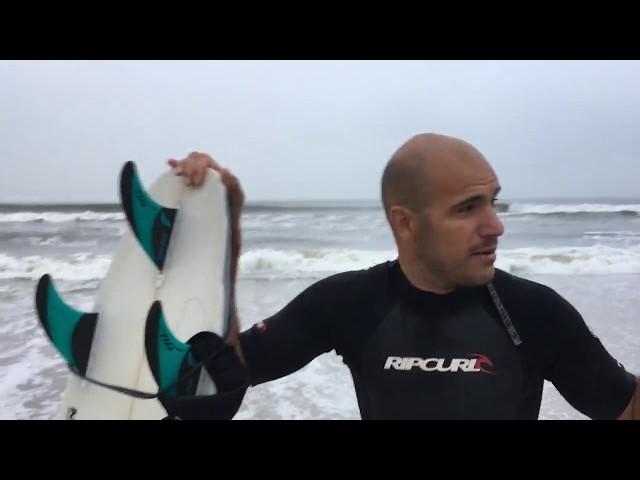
468,208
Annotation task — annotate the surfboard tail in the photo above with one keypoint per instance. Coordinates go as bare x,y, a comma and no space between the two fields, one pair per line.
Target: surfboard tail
151,223
71,331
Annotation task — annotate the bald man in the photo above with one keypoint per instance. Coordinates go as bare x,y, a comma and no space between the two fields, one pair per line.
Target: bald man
439,333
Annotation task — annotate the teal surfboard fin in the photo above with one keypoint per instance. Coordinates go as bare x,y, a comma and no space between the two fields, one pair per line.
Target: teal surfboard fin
177,368
71,331
171,361
151,222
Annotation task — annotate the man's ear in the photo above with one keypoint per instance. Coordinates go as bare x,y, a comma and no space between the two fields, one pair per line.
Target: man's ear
403,222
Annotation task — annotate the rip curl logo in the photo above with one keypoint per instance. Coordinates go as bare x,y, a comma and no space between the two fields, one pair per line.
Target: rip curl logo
477,364
481,362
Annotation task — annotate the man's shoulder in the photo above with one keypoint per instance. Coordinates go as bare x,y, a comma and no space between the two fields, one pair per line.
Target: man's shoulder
346,292
534,303
530,298
356,281
524,289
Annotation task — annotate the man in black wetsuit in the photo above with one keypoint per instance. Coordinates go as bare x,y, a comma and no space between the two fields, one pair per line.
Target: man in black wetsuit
438,333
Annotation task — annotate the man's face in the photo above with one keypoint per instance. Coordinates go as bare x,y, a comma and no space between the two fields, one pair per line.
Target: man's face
457,233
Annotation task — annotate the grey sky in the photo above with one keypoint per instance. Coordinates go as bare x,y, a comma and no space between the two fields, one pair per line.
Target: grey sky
315,129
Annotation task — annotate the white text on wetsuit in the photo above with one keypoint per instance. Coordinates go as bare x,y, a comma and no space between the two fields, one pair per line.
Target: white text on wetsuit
438,364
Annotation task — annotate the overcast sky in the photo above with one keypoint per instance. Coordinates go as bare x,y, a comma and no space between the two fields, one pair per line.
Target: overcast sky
315,129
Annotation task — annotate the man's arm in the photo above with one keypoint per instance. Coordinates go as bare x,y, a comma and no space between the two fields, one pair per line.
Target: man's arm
296,334
632,412
582,369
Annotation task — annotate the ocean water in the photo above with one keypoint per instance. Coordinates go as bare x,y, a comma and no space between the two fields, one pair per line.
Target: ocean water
587,250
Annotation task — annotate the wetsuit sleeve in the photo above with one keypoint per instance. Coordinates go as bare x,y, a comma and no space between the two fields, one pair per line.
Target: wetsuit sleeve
295,335
584,373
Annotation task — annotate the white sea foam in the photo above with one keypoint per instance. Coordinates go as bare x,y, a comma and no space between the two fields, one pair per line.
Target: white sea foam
58,217
269,263
548,208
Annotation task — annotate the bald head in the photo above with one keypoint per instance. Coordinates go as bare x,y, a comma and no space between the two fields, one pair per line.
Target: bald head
409,175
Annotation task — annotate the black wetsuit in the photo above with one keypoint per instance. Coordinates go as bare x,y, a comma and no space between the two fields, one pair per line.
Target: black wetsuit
418,355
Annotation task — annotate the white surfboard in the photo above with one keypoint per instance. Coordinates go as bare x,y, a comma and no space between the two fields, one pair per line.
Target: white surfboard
190,277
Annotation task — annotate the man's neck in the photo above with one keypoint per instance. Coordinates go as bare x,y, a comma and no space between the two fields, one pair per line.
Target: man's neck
420,278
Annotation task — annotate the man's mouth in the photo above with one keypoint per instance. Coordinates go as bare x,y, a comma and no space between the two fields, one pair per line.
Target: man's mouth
487,253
